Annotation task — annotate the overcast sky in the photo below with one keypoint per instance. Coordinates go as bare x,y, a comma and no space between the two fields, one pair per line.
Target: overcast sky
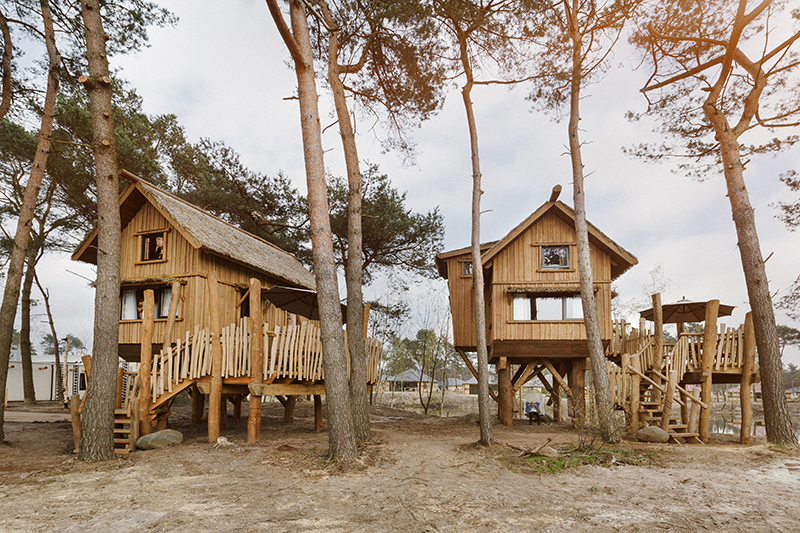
223,72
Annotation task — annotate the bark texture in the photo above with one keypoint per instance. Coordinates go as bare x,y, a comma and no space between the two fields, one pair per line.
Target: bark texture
353,273
97,420
26,348
341,431
8,309
590,318
478,297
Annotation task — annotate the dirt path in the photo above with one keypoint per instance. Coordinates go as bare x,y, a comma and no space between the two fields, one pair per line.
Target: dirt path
421,474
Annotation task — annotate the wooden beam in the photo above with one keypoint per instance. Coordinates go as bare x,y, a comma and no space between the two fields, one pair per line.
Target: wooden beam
257,360
709,351
555,194
317,413
748,367
472,370
557,377
505,404
283,389
215,393
146,363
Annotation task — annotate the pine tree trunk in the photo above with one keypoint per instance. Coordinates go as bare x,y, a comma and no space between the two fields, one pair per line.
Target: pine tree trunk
97,420
8,310
776,412
56,355
26,350
353,260
341,432
588,301
478,299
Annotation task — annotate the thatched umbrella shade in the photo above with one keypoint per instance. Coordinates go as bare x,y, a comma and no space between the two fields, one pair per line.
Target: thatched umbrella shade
301,302
684,311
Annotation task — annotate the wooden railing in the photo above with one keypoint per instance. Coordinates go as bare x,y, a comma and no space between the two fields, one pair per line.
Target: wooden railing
293,352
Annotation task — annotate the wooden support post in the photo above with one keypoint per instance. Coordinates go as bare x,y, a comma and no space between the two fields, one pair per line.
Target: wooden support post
74,406
317,413
256,359
198,405
134,434
684,408
577,384
175,294
555,395
636,393
709,351
748,367
118,397
658,340
505,397
237,406
288,409
625,399
146,363
694,415
223,412
215,394
666,410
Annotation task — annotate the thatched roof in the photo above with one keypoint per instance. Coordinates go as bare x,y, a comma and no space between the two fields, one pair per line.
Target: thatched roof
206,232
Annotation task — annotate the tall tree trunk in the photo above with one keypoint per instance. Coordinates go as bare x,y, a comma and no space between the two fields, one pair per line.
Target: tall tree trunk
26,350
591,321
776,412
478,299
341,432
97,420
56,357
353,273
8,310
5,66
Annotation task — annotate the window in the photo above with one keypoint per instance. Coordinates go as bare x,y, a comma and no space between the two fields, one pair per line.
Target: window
466,268
153,246
555,257
132,303
546,307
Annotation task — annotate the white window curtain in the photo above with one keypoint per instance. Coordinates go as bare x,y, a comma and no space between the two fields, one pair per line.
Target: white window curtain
522,307
128,303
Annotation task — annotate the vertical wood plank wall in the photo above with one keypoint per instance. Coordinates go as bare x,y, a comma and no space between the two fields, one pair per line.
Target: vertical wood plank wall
184,262
518,266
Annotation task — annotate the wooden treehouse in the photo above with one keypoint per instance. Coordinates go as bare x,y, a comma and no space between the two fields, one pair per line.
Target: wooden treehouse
649,377
534,318
204,309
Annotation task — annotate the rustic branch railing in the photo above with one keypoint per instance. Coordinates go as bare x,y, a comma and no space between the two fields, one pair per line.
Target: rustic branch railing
293,352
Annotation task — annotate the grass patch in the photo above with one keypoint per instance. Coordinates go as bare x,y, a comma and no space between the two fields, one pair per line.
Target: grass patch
606,456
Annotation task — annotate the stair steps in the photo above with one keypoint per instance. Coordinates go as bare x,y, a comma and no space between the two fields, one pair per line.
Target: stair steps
124,433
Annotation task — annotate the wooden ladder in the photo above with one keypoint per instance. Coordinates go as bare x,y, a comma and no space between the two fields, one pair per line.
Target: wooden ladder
126,431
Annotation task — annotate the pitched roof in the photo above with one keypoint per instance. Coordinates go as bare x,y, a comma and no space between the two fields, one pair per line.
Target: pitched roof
621,259
409,375
206,232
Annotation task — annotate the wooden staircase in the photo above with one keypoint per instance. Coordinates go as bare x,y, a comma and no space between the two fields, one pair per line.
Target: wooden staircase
126,431
652,412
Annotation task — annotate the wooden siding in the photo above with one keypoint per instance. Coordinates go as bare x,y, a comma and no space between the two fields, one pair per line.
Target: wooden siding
190,266
518,266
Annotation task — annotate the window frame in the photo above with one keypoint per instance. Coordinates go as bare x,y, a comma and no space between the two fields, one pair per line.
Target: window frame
465,269
161,311
140,245
532,297
551,267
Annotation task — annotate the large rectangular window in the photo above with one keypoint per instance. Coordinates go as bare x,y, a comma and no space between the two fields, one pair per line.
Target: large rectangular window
555,257
546,307
132,303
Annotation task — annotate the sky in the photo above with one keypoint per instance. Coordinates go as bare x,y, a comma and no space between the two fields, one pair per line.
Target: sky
223,72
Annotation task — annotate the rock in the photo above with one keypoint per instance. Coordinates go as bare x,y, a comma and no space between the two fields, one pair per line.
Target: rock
159,439
472,418
652,434
547,451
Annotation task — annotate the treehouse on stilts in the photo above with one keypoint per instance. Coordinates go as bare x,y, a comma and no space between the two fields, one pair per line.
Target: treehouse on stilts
209,308
534,318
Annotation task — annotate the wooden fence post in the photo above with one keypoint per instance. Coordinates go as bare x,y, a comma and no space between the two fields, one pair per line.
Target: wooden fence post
748,367
146,363
709,351
215,394
636,392
666,410
175,294
256,360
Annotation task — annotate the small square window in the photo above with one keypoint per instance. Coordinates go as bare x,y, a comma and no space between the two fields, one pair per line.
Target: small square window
555,257
466,268
153,246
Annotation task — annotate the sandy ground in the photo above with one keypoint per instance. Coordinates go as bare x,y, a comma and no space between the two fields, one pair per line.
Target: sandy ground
420,474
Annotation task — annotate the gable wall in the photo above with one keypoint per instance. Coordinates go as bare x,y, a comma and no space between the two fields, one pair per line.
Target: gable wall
190,266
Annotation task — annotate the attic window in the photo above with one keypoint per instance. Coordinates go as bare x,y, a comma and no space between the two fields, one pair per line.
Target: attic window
555,257
152,246
466,268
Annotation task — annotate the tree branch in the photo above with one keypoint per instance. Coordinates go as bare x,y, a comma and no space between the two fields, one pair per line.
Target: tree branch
283,29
